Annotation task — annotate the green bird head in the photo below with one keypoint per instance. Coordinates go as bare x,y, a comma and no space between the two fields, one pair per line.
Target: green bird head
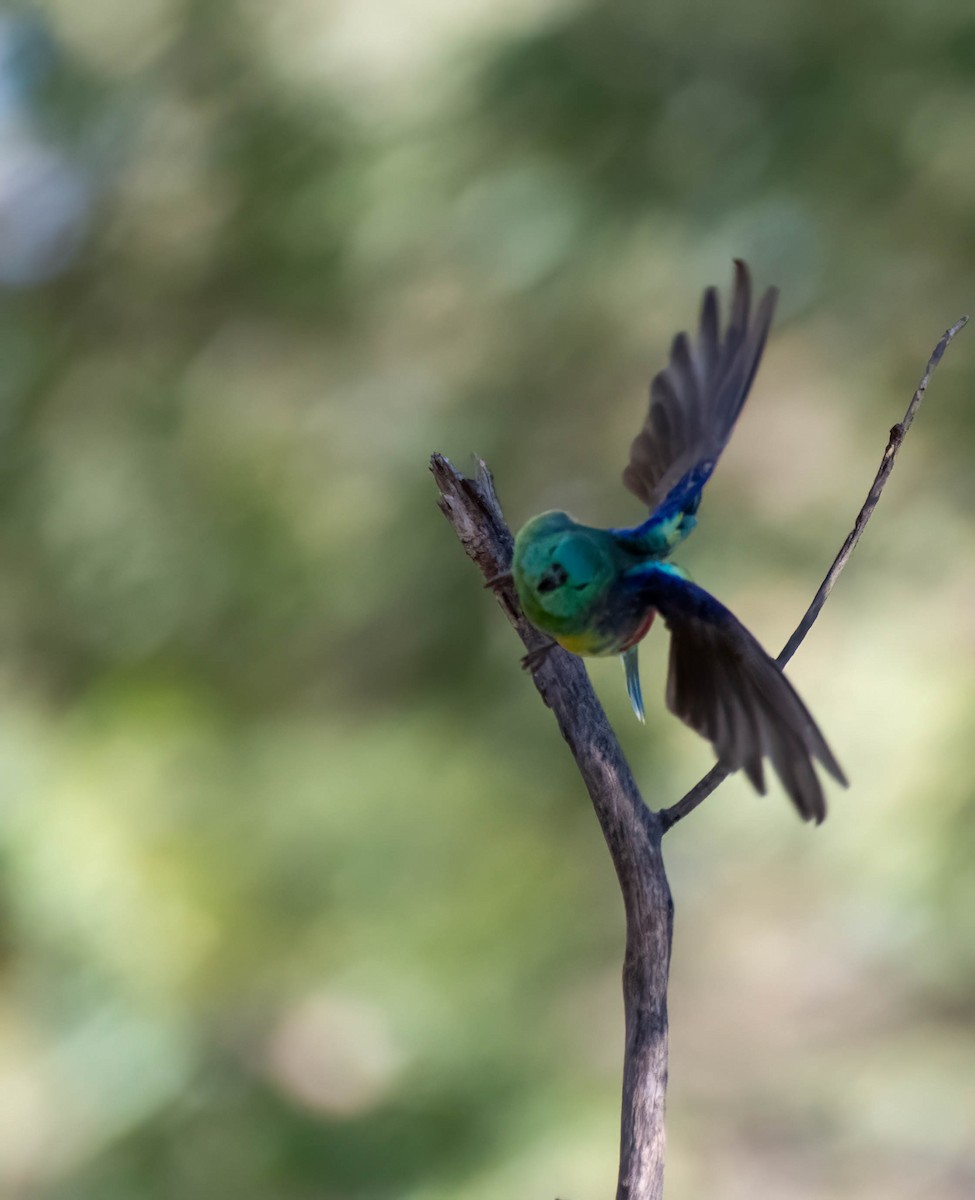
561,571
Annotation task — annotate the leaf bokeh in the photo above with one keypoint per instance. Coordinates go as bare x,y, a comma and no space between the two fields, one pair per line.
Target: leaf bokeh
301,896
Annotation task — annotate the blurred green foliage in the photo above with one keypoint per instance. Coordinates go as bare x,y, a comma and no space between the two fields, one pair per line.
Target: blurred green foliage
301,895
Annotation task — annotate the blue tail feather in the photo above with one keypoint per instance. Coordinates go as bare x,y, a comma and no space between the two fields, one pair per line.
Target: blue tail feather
631,665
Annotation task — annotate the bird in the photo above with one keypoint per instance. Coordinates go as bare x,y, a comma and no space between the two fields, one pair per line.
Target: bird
596,592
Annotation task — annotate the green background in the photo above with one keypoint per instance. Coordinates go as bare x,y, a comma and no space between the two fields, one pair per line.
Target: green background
301,896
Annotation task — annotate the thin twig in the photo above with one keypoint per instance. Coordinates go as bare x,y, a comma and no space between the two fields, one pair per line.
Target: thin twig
718,773
632,832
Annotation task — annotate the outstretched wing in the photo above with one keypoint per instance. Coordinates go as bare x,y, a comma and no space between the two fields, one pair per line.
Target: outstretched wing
723,684
695,401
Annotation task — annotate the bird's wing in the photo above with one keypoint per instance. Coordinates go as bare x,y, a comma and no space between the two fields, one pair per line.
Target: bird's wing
723,684
695,401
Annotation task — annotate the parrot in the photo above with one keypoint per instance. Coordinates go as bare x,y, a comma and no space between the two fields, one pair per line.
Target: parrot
596,592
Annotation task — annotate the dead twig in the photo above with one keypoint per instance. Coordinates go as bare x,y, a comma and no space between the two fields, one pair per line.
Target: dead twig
718,773
632,831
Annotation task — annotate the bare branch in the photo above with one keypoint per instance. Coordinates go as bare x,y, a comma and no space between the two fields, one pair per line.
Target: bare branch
631,830
633,833
718,773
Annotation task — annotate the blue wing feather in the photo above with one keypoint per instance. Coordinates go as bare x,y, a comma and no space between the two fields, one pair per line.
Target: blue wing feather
694,404
723,684
668,525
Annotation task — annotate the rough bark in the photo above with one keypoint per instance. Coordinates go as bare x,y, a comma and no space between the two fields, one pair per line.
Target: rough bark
632,831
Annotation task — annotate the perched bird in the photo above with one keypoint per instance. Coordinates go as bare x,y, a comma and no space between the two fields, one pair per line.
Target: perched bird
597,591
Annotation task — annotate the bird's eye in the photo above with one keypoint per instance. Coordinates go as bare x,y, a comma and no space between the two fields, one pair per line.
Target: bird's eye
553,578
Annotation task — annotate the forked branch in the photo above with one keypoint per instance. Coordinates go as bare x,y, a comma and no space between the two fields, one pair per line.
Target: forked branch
632,831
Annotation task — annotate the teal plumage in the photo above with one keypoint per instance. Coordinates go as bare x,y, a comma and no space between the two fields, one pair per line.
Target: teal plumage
597,591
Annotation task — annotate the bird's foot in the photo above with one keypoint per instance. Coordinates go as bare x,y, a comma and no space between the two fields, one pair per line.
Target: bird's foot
498,581
534,658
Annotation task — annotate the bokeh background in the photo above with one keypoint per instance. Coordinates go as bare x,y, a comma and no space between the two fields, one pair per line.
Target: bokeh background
301,897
